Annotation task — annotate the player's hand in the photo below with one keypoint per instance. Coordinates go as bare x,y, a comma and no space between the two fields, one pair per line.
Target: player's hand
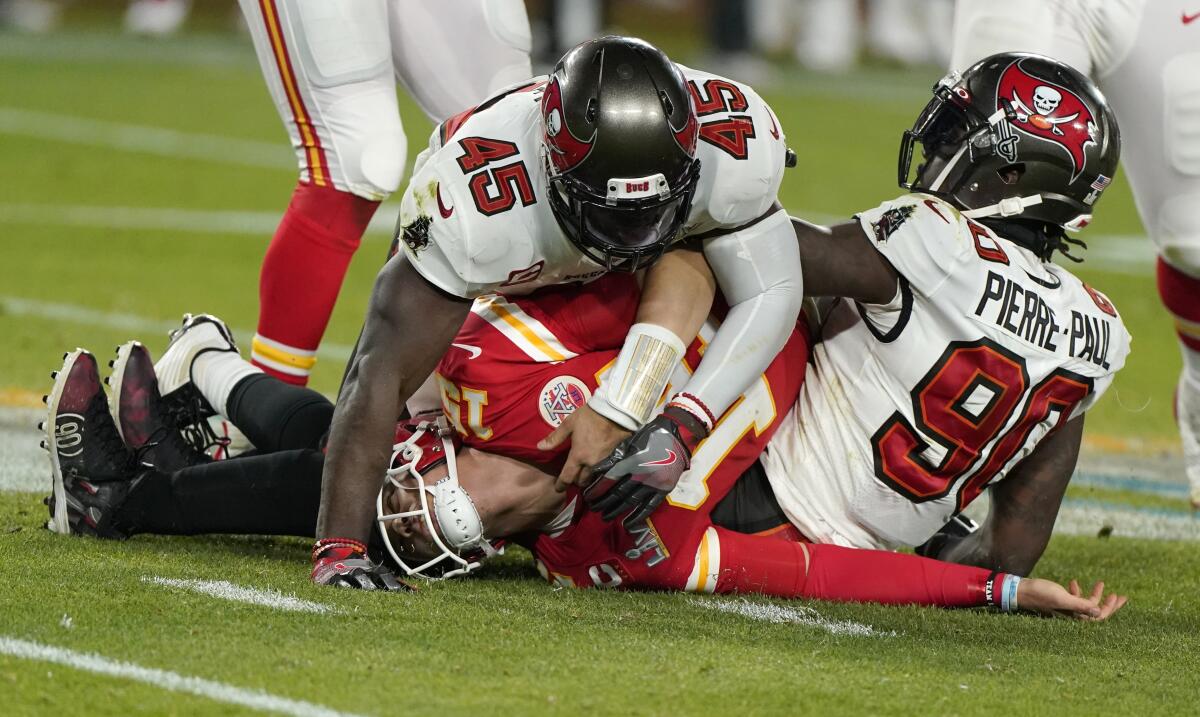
344,563
592,438
644,468
1047,597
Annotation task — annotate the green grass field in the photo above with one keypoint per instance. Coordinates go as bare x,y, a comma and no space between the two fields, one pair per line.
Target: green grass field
110,230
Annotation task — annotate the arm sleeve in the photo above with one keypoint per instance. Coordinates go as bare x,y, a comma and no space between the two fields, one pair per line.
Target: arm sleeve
758,272
759,564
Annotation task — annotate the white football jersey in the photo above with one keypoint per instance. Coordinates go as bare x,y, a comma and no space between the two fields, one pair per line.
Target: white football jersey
911,409
475,218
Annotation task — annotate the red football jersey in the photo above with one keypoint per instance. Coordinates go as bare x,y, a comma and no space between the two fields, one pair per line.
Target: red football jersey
520,365
674,551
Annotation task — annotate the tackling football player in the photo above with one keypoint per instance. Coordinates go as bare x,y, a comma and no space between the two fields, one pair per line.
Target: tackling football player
445,505
1143,55
597,168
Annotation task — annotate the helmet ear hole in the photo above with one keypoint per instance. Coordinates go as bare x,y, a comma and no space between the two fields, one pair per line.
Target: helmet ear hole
592,111
668,107
1012,173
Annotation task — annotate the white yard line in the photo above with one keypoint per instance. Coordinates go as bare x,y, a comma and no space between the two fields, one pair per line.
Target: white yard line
1123,253
144,139
165,679
135,323
224,590
792,615
1083,517
169,220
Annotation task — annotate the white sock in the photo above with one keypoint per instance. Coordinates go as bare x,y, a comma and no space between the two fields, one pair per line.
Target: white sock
1191,363
215,373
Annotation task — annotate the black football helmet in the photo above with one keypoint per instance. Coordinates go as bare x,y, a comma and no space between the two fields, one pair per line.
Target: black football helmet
1016,137
620,136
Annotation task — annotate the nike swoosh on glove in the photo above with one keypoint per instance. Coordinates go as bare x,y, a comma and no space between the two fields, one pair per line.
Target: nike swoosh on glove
645,467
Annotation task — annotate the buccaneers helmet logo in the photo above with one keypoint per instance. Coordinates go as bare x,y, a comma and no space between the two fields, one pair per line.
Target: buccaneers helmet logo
1048,111
566,150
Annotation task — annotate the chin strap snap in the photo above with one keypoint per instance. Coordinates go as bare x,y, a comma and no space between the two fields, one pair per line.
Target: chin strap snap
1008,207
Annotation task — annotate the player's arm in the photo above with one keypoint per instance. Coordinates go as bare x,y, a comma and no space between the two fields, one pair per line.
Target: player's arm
408,326
841,261
676,299
757,268
1023,508
759,564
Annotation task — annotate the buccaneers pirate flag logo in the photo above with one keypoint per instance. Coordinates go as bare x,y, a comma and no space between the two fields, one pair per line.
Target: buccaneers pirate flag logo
1048,111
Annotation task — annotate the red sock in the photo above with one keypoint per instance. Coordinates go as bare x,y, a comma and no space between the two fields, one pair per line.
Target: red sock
1180,293
301,276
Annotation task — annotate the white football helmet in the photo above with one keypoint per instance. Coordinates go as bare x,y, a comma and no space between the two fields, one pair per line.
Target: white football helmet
449,514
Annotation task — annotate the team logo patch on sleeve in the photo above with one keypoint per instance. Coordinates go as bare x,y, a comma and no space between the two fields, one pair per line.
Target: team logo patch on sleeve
416,235
890,221
560,397
1048,111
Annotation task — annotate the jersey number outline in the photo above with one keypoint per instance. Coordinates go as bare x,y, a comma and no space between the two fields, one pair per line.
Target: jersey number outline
941,412
497,189
453,399
730,134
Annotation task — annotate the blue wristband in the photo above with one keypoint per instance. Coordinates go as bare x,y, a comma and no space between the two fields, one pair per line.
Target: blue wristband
1008,593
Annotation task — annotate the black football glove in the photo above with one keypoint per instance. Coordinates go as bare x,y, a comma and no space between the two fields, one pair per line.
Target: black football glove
645,467
342,562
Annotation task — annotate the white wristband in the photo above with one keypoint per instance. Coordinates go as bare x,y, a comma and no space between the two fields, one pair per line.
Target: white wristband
631,389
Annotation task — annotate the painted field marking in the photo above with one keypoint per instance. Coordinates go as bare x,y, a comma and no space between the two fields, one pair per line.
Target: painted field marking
1127,254
793,615
144,139
75,313
165,679
1088,517
225,590
169,220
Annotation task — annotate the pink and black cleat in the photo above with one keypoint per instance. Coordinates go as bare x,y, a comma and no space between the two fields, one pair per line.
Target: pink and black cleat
146,425
91,469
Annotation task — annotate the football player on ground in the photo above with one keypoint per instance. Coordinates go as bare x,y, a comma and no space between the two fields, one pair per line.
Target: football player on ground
447,504
597,168
332,67
1144,56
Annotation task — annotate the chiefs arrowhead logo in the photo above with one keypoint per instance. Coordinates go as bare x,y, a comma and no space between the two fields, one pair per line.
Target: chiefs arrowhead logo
1048,111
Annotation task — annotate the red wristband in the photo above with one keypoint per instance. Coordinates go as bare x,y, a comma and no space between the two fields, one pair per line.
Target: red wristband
325,545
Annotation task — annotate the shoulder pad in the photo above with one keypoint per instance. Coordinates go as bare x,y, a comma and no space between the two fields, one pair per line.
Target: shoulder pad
460,246
742,151
923,237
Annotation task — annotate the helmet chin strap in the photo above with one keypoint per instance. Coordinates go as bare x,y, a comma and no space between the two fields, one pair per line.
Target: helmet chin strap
1007,207
455,511
454,524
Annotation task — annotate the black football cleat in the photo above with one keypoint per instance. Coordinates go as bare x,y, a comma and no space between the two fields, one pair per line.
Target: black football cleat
146,425
91,469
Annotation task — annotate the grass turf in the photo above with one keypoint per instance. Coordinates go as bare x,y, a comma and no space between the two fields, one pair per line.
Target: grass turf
505,641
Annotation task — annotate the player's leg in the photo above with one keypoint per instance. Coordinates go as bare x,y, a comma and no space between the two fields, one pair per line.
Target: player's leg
453,55
1047,27
101,488
202,365
327,64
1155,90
271,494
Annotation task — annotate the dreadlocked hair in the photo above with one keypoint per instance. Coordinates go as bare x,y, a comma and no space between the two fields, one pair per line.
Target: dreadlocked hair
1041,238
